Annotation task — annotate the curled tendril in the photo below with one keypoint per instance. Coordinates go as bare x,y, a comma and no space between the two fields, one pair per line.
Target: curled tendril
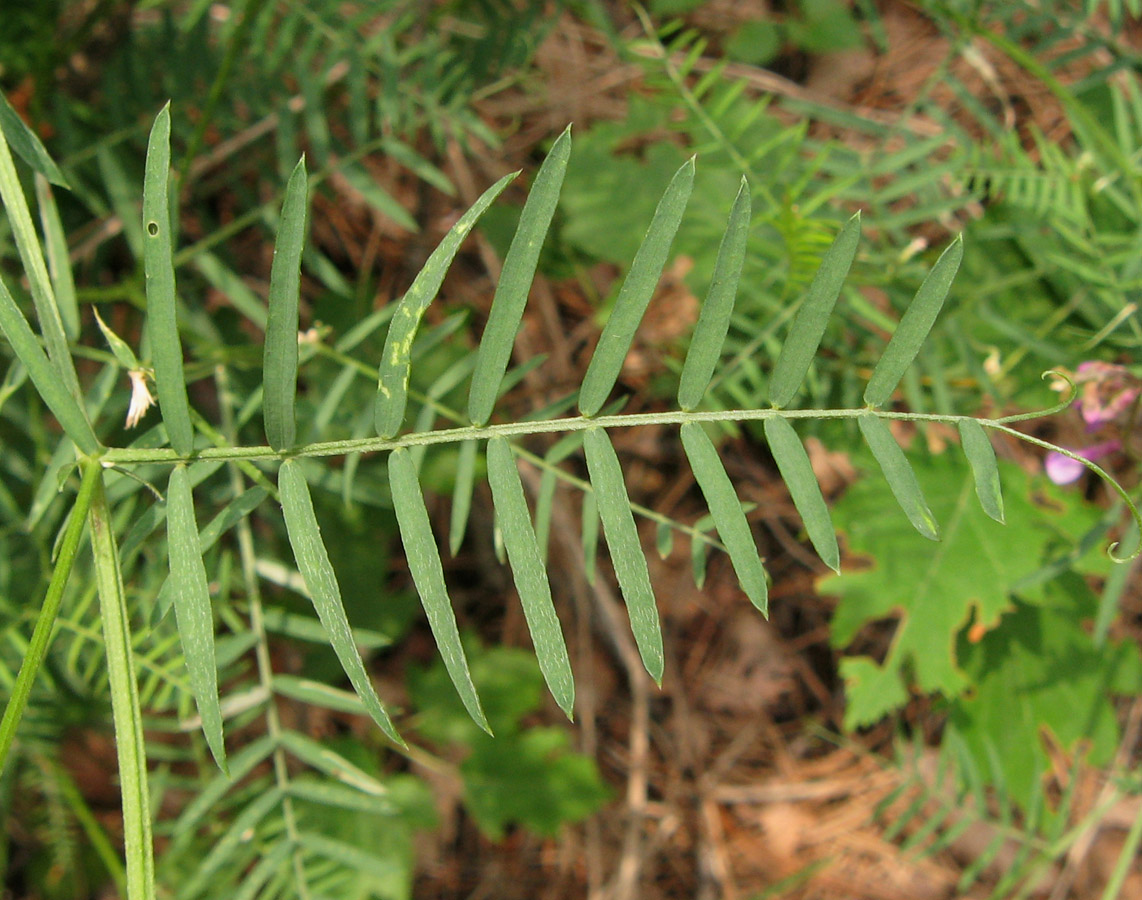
1072,392
1098,470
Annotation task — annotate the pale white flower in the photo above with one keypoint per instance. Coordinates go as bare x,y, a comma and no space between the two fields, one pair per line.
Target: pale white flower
141,399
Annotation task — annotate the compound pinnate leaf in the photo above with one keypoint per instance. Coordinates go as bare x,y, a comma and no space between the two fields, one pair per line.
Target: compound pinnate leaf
809,324
985,469
193,612
714,319
392,381
279,366
530,573
626,550
428,576
726,510
158,266
914,326
797,472
515,281
899,475
635,294
321,582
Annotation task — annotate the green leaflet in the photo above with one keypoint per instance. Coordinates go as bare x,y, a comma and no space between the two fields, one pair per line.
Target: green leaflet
125,710
279,366
158,264
193,612
27,242
428,576
59,266
314,566
714,319
27,144
797,472
392,381
44,376
626,550
809,324
635,294
914,326
515,282
530,574
726,510
899,475
985,470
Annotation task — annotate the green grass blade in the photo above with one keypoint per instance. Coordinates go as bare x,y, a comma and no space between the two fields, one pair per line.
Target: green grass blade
899,475
126,713
797,472
27,145
392,381
726,510
809,324
984,468
194,614
515,281
314,566
59,266
714,320
428,575
635,294
41,634
626,550
279,366
914,326
530,574
32,257
44,376
158,264
462,495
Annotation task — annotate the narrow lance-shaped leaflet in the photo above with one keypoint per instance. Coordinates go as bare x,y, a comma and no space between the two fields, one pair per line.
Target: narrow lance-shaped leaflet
515,281
914,326
626,550
194,615
714,319
899,475
726,509
809,324
279,366
23,233
28,350
985,470
530,573
797,473
635,294
392,380
321,582
428,576
158,266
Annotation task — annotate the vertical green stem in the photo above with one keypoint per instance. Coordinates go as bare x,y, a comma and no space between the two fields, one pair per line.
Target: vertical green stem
125,711
41,635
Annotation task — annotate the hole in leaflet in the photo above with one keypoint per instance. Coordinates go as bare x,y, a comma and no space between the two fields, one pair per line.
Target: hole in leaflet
152,228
